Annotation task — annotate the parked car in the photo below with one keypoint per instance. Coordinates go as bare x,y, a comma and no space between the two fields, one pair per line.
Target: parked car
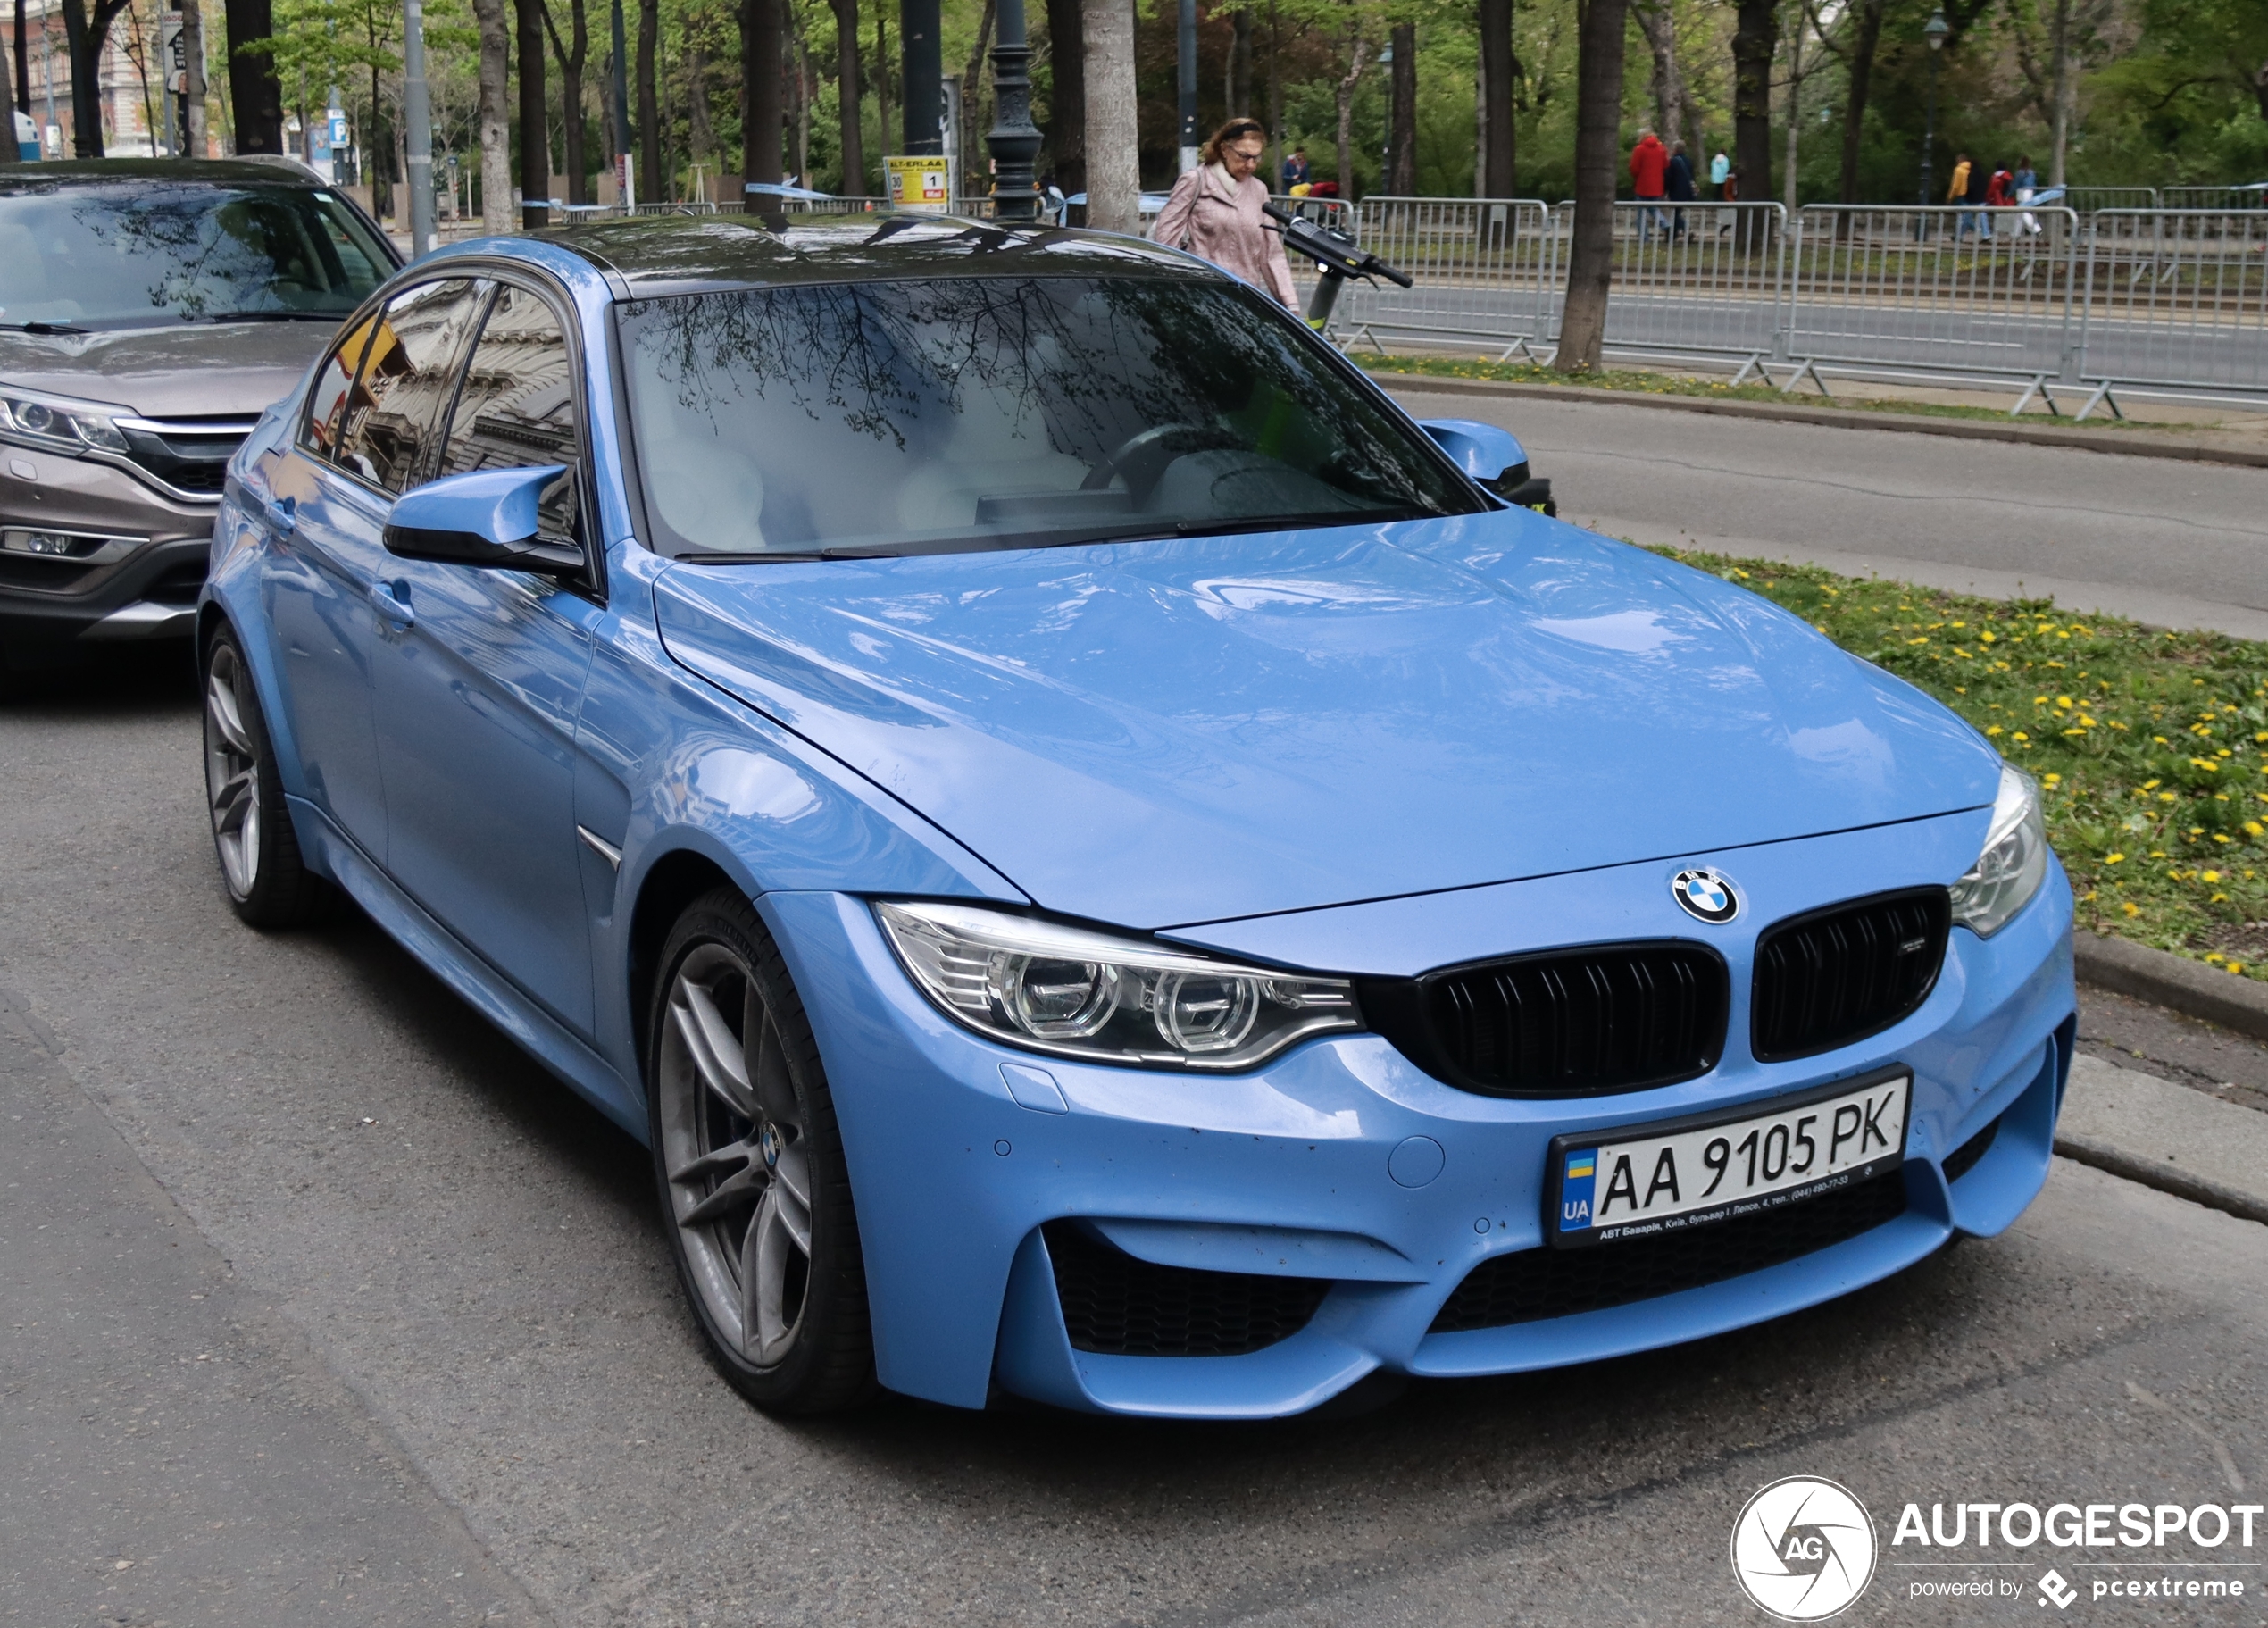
1104,864
149,311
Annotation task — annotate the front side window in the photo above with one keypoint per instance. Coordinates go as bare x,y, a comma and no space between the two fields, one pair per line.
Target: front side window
395,413
901,417
517,406
147,254
330,401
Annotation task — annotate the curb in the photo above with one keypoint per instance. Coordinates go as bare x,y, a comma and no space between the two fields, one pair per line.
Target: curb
2167,979
2151,1172
1845,418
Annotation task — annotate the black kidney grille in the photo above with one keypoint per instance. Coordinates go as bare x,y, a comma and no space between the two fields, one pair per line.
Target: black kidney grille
1837,975
1534,1284
1119,1306
1611,1017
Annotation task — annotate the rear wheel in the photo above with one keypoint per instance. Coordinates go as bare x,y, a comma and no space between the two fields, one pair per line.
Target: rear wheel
755,1194
267,881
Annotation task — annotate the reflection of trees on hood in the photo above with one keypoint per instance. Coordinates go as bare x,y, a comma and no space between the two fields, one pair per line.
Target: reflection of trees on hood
1090,360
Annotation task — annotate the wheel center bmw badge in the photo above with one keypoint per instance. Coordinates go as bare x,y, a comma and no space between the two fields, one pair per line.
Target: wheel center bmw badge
769,1145
1706,895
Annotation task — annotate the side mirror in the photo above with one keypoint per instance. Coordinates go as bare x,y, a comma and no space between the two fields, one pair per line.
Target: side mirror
1494,457
486,518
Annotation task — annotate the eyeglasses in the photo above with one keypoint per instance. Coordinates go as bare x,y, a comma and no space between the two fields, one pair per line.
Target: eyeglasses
1243,157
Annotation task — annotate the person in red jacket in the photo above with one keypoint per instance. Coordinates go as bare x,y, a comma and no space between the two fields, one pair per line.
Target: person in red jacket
1649,164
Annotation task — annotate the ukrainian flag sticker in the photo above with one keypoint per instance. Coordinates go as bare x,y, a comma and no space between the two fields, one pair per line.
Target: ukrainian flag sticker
1576,1178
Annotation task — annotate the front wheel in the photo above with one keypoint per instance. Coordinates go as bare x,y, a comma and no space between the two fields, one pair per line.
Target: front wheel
268,883
755,1194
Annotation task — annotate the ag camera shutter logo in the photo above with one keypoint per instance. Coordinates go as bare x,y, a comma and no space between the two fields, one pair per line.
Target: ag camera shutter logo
1803,1548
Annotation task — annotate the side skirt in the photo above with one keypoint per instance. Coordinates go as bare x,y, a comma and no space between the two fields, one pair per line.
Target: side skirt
474,981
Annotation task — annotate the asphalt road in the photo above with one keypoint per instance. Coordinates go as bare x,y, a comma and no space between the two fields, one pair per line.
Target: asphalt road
2167,541
438,1373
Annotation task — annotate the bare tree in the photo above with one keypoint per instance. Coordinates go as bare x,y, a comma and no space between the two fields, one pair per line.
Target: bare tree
760,126
1497,145
1598,119
495,115
1755,37
851,134
1067,103
535,117
1675,117
1358,56
1858,66
1797,73
571,62
84,34
1113,163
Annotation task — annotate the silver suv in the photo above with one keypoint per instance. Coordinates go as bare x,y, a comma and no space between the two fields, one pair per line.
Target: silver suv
149,311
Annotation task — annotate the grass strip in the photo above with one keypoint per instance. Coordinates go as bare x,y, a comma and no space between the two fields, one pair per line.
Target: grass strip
2151,747
1641,383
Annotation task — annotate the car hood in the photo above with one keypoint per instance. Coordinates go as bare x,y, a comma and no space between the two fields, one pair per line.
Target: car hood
193,370
1162,733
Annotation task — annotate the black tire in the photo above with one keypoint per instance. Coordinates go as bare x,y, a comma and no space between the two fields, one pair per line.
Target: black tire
268,883
784,1315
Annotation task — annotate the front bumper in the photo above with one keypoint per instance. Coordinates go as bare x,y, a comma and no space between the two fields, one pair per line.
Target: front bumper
1316,1166
59,609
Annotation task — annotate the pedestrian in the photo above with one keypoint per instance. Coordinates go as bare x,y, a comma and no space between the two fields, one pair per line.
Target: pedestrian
1678,182
1214,212
1980,193
2000,193
1956,191
1649,164
1296,171
2027,183
1718,168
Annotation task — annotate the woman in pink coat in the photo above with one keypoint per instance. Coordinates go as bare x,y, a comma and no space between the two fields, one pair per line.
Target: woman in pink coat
1214,212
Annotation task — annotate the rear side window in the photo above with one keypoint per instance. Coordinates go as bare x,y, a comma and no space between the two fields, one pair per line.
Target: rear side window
328,402
517,406
395,414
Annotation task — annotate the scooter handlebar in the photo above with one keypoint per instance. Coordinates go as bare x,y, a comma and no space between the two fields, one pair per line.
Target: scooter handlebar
1330,250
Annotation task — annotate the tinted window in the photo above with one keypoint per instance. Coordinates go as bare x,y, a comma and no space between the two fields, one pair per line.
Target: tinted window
328,402
517,406
149,254
395,414
993,411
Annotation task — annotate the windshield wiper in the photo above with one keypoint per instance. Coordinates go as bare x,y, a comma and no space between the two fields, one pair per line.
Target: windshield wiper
58,328
788,556
274,316
1250,523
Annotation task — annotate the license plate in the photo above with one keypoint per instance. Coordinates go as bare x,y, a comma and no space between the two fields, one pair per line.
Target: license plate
1651,1179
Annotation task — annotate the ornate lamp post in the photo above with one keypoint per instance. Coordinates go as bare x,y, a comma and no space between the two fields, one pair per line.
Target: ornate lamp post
1014,140
1935,31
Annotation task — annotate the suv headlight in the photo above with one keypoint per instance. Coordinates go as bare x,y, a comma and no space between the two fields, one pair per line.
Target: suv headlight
60,422
2014,861
1082,994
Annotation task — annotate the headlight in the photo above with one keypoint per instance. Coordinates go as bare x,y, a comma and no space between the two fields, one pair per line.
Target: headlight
2014,861
60,422
1082,994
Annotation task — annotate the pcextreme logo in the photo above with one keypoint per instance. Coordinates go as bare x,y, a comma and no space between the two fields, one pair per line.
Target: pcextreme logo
1803,1549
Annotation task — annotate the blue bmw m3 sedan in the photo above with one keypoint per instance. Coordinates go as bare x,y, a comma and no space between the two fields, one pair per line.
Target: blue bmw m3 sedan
1108,864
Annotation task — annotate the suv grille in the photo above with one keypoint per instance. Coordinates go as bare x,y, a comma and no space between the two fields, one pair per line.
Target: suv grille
190,455
1839,975
1534,1284
1612,1017
1119,1306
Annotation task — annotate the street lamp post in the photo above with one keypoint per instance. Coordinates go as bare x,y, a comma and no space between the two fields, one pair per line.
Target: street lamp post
417,116
1014,140
1935,31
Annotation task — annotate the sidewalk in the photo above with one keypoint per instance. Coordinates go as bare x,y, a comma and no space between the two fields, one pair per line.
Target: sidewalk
2170,1136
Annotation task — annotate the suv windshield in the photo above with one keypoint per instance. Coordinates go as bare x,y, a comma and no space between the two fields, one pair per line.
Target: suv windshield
149,254
905,417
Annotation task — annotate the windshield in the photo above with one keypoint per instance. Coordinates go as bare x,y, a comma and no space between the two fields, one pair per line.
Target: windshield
903,417
149,254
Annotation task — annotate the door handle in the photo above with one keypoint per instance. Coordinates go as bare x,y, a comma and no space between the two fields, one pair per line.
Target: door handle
393,603
281,514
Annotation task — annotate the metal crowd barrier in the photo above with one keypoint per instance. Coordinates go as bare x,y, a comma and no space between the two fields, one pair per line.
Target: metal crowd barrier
1486,270
2088,199
2255,196
2176,297
1691,278
1932,290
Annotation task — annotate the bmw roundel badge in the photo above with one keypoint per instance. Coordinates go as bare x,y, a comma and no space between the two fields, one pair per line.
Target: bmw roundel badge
1706,895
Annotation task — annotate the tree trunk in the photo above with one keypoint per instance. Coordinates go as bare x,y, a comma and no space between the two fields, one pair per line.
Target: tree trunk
256,99
535,119
8,105
1861,76
1113,140
658,184
968,141
1358,51
850,133
1240,65
83,44
1275,99
2059,51
193,78
1403,182
1497,142
1598,127
1795,113
760,72
1067,104
494,115
1754,36
700,133
882,81
1668,83
572,134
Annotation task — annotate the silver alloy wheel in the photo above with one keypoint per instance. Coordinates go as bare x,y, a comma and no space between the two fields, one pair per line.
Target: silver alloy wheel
231,768
732,1144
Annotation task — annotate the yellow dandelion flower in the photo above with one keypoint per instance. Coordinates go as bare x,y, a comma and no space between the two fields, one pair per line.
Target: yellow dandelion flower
2113,859
2131,910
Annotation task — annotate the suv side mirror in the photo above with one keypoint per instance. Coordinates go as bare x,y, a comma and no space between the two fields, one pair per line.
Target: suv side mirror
1492,456
486,518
